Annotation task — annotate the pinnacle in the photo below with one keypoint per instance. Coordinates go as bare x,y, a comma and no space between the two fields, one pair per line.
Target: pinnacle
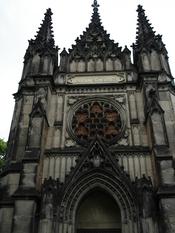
64,52
140,8
146,36
95,4
49,12
95,16
144,30
44,40
45,32
126,50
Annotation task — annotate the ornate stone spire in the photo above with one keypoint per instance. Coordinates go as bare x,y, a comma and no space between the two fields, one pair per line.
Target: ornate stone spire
146,36
144,30
45,33
44,40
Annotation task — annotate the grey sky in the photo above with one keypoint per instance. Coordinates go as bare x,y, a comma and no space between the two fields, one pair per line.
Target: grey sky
19,20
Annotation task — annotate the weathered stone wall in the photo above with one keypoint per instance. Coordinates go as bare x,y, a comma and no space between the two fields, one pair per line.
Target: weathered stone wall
131,101
23,125
132,150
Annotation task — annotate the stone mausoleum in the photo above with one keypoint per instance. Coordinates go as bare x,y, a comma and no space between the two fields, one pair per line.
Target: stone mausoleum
92,142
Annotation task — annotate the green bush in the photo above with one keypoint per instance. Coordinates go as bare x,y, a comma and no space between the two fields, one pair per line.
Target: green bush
3,147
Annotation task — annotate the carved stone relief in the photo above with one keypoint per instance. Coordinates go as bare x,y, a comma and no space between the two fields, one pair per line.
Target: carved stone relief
69,142
124,140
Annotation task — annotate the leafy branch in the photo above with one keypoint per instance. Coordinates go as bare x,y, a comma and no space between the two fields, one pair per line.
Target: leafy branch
3,147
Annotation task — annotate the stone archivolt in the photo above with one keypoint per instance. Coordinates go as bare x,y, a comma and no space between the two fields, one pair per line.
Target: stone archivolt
95,168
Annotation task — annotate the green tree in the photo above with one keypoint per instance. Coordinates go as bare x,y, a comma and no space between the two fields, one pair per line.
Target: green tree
3,147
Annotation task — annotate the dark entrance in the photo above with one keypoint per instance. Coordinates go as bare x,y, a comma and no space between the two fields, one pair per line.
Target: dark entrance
98,213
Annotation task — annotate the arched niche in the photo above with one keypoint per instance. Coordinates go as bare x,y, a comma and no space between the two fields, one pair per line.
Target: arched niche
46,62
51,66
35,64
35,130
155,60
91,65
99,65
109,65
81,66
73,66
145,62
98,212
117,64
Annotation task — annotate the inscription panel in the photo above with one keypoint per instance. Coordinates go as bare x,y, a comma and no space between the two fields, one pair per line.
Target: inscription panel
93,79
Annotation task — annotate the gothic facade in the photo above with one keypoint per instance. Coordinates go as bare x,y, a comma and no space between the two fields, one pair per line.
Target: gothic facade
92,141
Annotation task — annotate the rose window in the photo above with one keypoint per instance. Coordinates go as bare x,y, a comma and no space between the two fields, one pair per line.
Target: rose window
97,119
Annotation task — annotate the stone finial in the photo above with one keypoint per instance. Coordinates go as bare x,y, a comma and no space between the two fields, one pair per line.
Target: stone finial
95,4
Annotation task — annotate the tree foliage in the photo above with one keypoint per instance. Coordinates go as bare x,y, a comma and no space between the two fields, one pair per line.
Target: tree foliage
3,147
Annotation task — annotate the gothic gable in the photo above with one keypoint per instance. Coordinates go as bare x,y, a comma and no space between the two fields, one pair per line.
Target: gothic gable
97,161
38,110
95,51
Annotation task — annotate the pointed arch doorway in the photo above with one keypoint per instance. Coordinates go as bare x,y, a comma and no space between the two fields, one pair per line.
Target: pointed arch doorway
98,213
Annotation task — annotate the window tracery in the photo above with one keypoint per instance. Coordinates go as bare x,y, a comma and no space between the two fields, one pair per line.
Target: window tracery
97,119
